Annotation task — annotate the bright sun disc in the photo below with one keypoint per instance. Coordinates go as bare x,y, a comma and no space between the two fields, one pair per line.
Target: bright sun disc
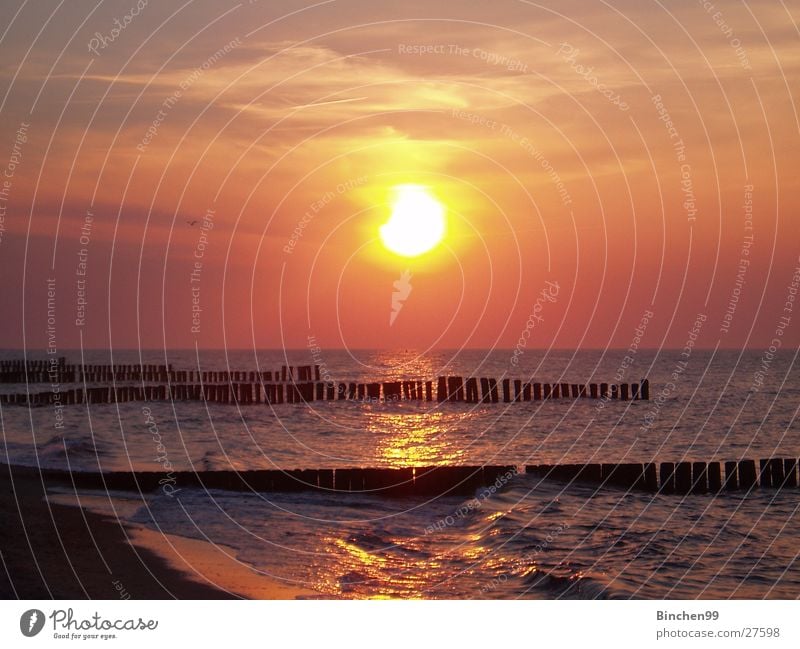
416,224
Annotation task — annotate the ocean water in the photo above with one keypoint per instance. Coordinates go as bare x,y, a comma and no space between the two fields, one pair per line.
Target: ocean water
535,538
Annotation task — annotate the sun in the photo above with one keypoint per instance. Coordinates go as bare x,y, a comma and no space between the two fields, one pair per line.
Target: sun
417,222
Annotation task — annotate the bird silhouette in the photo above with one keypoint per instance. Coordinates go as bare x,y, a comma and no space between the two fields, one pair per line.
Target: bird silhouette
192,222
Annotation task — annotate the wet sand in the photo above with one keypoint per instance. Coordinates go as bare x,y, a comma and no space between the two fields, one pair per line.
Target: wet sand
53,550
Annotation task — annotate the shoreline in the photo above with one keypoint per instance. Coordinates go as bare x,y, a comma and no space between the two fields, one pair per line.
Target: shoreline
53,550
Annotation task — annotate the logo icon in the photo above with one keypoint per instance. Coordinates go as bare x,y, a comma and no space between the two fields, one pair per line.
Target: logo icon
402,289
31,622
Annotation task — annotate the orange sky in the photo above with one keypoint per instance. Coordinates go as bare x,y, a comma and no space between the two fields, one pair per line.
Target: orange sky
543,128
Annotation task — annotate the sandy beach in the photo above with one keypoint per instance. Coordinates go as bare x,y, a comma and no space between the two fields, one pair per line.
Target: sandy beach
59,551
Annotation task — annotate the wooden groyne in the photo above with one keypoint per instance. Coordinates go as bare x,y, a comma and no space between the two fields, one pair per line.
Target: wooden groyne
666,478
420,481
237,389
679,478
58,371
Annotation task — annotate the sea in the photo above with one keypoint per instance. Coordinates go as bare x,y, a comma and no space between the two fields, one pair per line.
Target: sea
533,538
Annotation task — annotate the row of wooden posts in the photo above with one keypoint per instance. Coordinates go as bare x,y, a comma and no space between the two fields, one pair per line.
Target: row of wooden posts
60,372
681,478
447,389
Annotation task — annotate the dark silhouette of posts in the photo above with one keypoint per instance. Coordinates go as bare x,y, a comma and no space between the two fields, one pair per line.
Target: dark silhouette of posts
472,390
441,389
731,476
748,476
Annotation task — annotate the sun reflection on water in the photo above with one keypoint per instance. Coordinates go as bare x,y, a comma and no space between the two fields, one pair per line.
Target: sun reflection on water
416,438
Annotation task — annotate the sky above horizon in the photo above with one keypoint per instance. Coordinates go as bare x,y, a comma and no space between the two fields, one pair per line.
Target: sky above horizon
216,174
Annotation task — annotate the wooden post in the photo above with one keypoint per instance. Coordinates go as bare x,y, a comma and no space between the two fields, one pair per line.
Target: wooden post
582,391
731,476
748,476
790,472
604,390
506,390
485,396
374,391
441,389
699,477
428,390
574,392
526,391
537,391
623,392
564,390
517,390
778,476
593,390
645,389
635,392
556,391
546,390
472,390
765,473
683,478
615,391
667,477
714,477
493,390
650,477
455,388
330,391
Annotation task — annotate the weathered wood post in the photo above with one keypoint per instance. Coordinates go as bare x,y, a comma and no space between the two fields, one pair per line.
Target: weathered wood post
683,478
776,469
765,473
748,476
374,392
455,388
731,476
667,477
472,390
714,477
790,472
699,477
441,389
493,390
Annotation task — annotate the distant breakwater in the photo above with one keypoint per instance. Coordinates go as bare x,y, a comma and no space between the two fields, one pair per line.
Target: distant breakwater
300,384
